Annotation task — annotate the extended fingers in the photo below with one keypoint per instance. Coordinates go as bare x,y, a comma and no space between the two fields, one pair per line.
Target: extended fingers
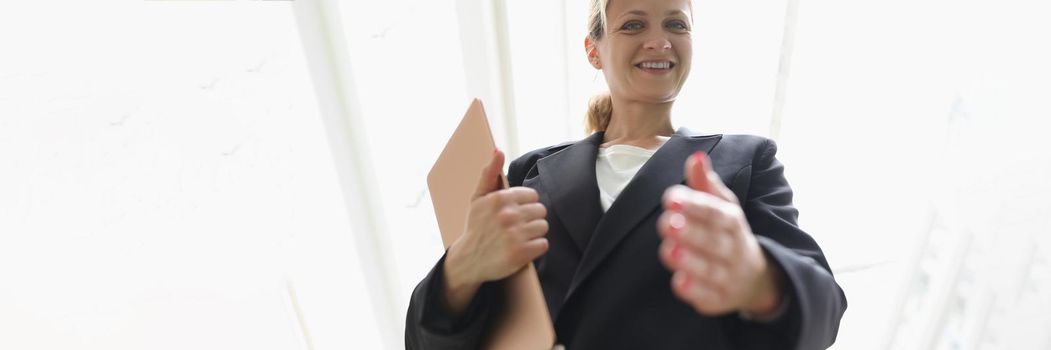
715,238
702,295
713,245
700,266
703,207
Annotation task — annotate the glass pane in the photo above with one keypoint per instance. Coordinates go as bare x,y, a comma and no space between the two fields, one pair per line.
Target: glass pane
165,177
925,122
736,52
539,43
408,72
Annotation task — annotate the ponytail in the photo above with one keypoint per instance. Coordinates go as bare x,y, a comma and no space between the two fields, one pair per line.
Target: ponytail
600,109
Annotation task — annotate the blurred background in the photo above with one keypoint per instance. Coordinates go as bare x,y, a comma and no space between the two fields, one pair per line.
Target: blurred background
235,174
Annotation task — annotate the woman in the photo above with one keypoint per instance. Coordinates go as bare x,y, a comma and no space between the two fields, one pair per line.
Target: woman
629,257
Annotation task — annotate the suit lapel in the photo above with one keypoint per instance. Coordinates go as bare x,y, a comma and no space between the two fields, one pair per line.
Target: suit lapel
568,178
638,199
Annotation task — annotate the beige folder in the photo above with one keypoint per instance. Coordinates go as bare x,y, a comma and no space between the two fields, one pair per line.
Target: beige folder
525,323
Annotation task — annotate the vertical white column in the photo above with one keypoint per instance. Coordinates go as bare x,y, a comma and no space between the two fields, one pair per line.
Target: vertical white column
487,65
326,51
784,66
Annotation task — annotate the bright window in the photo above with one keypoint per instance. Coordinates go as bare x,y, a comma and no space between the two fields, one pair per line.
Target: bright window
165,180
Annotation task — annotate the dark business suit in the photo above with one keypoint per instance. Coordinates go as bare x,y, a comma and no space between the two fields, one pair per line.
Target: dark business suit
604,285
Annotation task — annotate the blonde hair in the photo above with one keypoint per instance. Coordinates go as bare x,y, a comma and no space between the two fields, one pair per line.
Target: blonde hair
600,107
600,111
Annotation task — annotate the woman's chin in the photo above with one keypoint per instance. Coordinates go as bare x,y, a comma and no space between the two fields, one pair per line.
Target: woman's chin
656,98
656,92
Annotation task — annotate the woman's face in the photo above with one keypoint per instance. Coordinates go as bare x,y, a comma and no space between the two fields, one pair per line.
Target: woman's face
646,51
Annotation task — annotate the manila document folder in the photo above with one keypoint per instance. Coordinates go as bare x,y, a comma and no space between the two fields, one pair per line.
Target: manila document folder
525,322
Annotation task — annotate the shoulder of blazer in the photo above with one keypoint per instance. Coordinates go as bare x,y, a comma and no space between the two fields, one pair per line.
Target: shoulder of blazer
525,164
753,148
744,141
734,143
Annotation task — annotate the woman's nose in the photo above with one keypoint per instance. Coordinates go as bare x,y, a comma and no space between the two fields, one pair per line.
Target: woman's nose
657,42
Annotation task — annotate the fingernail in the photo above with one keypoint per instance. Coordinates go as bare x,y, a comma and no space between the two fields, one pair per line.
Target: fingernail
701,156
675,205
684,282
698,180
676,252
677,222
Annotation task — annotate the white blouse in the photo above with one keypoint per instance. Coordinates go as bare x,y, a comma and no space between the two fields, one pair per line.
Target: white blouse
615,166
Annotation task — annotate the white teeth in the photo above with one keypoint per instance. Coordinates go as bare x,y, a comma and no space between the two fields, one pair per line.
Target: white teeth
656,65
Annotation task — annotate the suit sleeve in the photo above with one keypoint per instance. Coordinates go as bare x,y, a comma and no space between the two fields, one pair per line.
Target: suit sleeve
429,325
816,301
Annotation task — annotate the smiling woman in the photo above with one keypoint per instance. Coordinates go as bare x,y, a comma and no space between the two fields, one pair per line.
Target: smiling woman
643,236
166,176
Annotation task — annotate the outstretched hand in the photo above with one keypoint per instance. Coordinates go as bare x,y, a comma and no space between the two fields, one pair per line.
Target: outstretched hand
716,262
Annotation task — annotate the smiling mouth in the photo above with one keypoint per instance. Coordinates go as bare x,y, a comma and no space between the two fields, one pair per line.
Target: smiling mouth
656,65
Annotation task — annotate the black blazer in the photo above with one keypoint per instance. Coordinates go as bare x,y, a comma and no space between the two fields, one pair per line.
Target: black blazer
604,285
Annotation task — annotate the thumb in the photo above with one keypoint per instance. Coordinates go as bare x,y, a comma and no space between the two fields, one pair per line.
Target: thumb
701,177
697,173
491,178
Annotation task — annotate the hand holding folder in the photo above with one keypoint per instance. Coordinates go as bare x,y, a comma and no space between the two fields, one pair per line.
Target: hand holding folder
454,182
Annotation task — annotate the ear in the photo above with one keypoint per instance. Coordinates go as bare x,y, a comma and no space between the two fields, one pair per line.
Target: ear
592,52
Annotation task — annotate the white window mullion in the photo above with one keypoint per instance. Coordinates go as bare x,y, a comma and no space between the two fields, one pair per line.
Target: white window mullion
487,65
325,47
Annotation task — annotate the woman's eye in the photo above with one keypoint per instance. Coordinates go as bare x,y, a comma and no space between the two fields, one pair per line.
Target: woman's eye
632,26
678,25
